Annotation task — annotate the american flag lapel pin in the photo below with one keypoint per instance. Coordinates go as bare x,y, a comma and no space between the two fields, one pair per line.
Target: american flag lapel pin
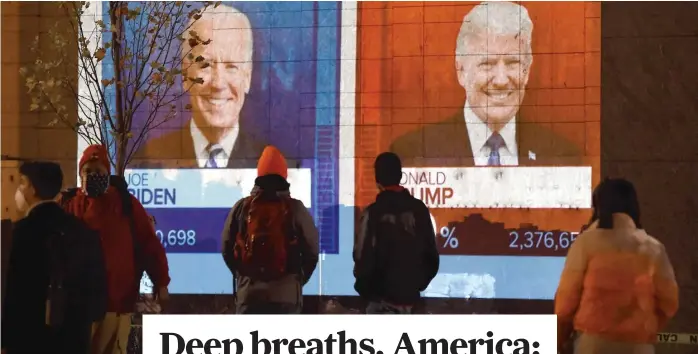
531,155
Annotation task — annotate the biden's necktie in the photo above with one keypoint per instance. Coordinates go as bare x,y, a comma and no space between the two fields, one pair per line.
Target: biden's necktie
213,151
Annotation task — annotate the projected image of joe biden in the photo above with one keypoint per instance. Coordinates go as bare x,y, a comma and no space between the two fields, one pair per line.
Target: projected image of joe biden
213,138
493,59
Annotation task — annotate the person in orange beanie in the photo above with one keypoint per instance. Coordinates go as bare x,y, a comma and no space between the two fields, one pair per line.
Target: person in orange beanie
272,162
99,205
283,236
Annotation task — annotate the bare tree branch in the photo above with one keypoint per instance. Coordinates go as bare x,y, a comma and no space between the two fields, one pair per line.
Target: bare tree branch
144,40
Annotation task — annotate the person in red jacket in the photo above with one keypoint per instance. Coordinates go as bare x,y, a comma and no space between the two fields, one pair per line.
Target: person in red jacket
99,205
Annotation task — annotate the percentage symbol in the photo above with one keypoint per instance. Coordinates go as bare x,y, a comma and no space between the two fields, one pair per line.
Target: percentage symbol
447,233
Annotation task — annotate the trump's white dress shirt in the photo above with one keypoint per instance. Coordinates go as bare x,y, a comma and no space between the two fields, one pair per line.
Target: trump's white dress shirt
479,132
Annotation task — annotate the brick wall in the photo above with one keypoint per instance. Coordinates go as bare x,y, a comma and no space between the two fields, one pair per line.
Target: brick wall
649,127
25,134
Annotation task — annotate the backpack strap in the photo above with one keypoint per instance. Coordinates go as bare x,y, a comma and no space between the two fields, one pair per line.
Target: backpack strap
119,182
244,214
286,201
373,215
67,195
241,219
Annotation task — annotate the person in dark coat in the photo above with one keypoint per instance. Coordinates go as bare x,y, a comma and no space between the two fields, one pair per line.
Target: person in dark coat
395,254
26,325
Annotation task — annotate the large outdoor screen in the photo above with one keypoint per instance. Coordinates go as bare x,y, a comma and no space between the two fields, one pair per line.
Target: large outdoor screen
493,107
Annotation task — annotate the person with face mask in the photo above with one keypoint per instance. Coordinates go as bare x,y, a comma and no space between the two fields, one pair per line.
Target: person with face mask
54,276
99,205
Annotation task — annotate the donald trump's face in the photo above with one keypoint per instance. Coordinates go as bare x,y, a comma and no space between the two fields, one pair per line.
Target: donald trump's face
494,76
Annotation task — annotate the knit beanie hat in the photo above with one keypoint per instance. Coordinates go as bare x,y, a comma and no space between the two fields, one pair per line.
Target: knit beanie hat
95,152
272,162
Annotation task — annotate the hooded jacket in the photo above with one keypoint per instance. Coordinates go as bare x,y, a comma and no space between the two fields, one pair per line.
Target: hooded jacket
617,287
272,173
104,214
24,328
385,268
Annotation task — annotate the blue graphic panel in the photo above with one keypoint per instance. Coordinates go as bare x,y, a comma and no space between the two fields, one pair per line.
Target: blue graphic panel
291,103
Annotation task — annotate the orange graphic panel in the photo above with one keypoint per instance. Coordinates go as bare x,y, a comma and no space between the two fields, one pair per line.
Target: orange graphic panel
456,86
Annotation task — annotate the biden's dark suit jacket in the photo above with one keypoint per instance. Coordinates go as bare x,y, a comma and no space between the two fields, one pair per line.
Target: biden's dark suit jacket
447,144
176,150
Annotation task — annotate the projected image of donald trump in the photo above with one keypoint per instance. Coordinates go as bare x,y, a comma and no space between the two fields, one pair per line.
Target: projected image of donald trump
493,60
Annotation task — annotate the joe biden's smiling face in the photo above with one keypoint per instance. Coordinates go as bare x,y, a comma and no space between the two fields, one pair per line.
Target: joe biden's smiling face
226,74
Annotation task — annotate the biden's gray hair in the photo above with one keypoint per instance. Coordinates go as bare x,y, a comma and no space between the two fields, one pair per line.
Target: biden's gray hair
222,18
496,18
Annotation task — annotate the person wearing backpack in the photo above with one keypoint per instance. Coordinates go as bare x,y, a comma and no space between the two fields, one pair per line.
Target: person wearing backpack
56,282
270,243
395,255
129,245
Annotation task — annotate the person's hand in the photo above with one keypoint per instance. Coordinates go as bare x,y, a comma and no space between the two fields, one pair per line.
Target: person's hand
162,296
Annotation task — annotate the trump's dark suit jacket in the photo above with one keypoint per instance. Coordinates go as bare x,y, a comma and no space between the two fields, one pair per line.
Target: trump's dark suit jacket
176,150
447,144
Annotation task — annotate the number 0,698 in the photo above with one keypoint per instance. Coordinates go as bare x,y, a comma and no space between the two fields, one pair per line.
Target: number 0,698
177,237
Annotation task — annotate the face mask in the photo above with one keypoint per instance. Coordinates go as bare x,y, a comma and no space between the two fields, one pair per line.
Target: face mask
96,184
20,201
